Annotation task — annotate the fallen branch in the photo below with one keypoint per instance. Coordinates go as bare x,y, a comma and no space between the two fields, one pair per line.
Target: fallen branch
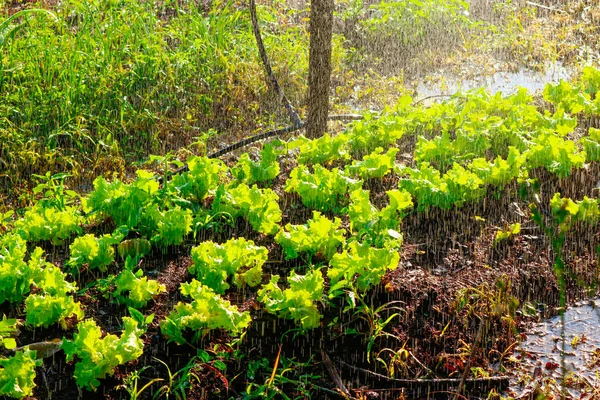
431,384
420,363
433,96
531,3
334,375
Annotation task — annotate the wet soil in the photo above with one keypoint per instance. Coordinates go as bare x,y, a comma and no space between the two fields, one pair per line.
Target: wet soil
460,302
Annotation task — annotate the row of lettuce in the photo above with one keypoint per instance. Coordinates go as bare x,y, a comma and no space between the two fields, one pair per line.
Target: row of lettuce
462,148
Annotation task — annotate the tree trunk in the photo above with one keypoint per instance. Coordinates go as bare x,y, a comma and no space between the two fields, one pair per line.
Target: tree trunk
319,66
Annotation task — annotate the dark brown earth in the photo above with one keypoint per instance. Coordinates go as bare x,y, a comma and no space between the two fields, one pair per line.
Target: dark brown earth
447,256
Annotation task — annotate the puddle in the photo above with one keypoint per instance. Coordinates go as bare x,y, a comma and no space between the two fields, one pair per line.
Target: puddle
505,82
540,354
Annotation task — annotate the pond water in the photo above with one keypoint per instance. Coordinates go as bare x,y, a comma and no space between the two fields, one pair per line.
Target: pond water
540,354
505,82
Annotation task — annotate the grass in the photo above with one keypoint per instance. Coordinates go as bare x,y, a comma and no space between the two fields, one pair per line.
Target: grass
109,81
106,83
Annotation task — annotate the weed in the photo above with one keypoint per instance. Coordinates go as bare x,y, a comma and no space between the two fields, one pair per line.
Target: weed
286,371
373,316
131,381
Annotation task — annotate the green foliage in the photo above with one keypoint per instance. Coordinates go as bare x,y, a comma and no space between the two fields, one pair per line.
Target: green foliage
557,155
124,203
96,252
587,210
455,187
55,193
298,302
41,223
98,356
505,234
130,383
408,21
576,97
323,190
566,96
500,172
477,124
166,227
591,145
590,80
359,268
320,237
379,228
135,289
141,205
203,178
160,72
267,382
374,165
443,151
463,185
258,206
52,302
17,374
6,220
207,311
564,211
264,170
369,134
16,275
324,149
8,29
8,329
240,258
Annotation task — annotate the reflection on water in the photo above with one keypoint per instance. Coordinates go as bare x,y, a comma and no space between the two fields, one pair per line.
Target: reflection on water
505,82
542,350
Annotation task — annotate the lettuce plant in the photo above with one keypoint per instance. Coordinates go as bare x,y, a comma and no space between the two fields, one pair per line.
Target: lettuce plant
97,355
258,206
374,165
96,252
430,188
323,190
359,267
298,302
203,177
591,145
367,135
264,170
48,223
214,263
17,275
500,172
377,227
319,237
8,331
122,202
324,149
556,154
134,289
52,302
206,312
17,374
166,227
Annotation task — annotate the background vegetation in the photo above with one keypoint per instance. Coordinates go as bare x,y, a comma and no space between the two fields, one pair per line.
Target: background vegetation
101,84
388,243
